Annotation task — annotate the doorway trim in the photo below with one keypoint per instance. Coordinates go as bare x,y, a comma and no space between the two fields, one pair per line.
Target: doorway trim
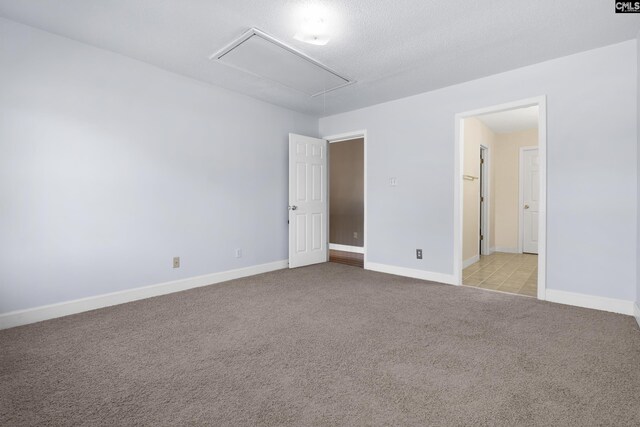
521,196
541,102
346,136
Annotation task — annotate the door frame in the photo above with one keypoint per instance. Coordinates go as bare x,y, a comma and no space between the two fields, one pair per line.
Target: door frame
485,207
541,102
521,196
346,136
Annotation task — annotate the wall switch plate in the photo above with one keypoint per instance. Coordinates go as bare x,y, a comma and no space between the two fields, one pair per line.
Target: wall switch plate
238,253
419,253
176,262
393,181
355,234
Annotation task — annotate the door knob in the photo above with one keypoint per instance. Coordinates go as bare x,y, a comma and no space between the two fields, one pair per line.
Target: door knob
293,208
526,206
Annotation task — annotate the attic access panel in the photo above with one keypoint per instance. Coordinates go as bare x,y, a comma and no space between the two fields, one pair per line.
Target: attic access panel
263,56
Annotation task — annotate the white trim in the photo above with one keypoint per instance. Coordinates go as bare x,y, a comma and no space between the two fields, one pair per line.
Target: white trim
470,261
345,137
346,248
521,195
541,102
507,250
542,208
590,301
448,279
37,314
636,312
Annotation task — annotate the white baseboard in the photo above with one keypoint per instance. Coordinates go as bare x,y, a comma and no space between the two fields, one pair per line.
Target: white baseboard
346,248
410,272
636,309
467,262
590,301
37,314
506,250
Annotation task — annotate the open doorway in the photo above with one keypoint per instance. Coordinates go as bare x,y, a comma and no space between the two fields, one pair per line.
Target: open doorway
346,201
309,218
501,199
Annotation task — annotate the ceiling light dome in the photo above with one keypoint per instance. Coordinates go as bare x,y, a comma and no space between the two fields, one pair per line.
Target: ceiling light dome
313,28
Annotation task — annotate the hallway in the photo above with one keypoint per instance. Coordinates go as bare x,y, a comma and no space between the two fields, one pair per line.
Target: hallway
505,272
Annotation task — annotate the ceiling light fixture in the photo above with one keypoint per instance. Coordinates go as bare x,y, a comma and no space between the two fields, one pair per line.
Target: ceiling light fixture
313,27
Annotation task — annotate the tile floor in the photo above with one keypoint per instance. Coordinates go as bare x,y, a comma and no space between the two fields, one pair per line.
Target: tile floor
513,273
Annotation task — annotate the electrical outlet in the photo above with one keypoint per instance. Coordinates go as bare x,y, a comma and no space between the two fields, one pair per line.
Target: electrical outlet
238,253
419,253
355,234
176,262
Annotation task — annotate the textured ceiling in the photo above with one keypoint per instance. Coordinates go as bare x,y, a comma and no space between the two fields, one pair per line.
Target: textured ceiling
393,48
511,120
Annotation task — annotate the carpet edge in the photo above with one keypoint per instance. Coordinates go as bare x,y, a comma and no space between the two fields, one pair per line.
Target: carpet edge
66,308
448,279
595,302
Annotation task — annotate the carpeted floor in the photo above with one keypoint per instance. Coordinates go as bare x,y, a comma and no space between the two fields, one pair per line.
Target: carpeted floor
325,345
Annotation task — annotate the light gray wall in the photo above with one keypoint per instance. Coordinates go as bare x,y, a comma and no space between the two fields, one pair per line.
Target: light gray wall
110,167
592,165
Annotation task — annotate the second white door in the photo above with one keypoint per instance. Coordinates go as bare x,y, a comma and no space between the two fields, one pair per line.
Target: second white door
530,199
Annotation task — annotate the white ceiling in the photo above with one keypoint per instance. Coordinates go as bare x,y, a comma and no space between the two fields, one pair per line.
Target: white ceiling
391,48
511,120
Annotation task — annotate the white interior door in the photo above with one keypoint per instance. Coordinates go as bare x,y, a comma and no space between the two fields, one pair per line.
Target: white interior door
484,205
307,200
530,198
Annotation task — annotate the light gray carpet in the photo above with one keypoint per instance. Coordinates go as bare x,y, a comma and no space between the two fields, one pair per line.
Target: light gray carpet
325,345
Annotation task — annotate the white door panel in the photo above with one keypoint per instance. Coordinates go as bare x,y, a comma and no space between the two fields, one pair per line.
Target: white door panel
531,194
307,200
